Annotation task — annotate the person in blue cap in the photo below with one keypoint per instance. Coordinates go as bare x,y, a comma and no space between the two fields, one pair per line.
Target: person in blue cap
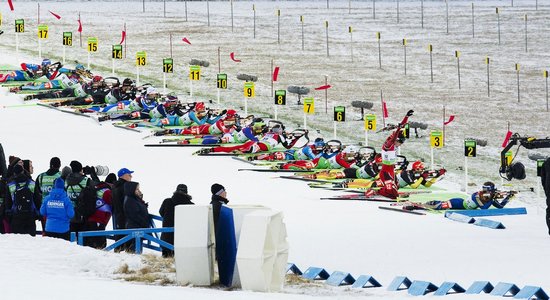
117,201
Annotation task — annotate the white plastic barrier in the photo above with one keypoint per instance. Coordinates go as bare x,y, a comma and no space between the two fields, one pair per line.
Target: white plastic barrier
239,212
194,244
263,251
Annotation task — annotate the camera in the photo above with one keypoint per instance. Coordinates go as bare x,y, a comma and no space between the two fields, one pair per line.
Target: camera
98,170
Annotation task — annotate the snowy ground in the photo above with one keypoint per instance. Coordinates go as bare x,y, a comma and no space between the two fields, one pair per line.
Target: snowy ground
354,236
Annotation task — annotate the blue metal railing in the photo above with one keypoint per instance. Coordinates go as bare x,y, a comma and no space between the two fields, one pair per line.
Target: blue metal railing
149,235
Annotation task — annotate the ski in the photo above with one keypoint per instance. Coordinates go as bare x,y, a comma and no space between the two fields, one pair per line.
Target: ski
127,128
244,160
177,145
371,199
274,170
402,210
305,179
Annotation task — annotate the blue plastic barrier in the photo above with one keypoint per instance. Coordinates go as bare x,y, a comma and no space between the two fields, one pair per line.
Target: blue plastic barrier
397,282
460,218
314,273
531,292
446,286
479,286
293,268
504,288
338,278
365,281
489,223
226,246
490,212
421,288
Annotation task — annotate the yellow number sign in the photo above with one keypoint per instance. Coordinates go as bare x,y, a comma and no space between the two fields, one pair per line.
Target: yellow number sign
194,73
42,31
249,90
92,44
67,38
117,52
19,25
141,58
436,139
309,106
370,122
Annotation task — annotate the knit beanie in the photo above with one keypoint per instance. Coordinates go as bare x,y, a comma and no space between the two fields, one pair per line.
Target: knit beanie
217,189
55,163
76,166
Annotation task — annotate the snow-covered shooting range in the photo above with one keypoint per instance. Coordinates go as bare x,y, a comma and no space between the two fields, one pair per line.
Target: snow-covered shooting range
366,148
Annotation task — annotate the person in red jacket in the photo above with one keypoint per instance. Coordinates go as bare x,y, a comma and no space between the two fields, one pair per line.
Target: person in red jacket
387,172
100,218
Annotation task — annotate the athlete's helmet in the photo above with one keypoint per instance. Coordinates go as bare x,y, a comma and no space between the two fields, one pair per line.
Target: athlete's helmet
488,187
79,67
199,106
152,93
417,166
46,62
128,82
319,143
277,129
230,114
97,79
258,125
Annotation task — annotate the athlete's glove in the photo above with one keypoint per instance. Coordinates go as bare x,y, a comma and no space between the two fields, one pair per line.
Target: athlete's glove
441,172
425,174
410,113
223,112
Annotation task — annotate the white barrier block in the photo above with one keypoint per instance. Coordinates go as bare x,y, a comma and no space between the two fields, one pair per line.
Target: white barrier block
194,244
239,212
263,251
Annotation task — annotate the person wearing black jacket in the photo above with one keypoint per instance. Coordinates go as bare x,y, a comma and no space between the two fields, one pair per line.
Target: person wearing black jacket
218,199
21,221
135,210
167,212
74,184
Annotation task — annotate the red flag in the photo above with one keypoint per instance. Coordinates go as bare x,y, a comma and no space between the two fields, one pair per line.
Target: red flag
79,25
11,5
507,138
232,55
451,118
275,73
323,87
55,15
385,110
185,40
123,37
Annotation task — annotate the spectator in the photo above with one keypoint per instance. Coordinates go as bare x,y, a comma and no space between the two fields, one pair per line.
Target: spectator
27,166
101,216
74,184
119,220
13,160
111,179
58,211
21,202
219,197
135,210
65,172
45,181
167,212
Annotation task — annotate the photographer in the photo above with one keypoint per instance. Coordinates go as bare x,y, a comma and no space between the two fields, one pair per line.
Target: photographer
74,185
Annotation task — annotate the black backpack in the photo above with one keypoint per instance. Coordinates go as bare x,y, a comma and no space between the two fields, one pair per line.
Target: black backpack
84,203
23,201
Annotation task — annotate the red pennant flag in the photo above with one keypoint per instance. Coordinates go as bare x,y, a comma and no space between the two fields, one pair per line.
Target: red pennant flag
232,55
185,40
11,5
507,138
123,37
79,26
323,87
55,15
275,73
451,118
385,110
